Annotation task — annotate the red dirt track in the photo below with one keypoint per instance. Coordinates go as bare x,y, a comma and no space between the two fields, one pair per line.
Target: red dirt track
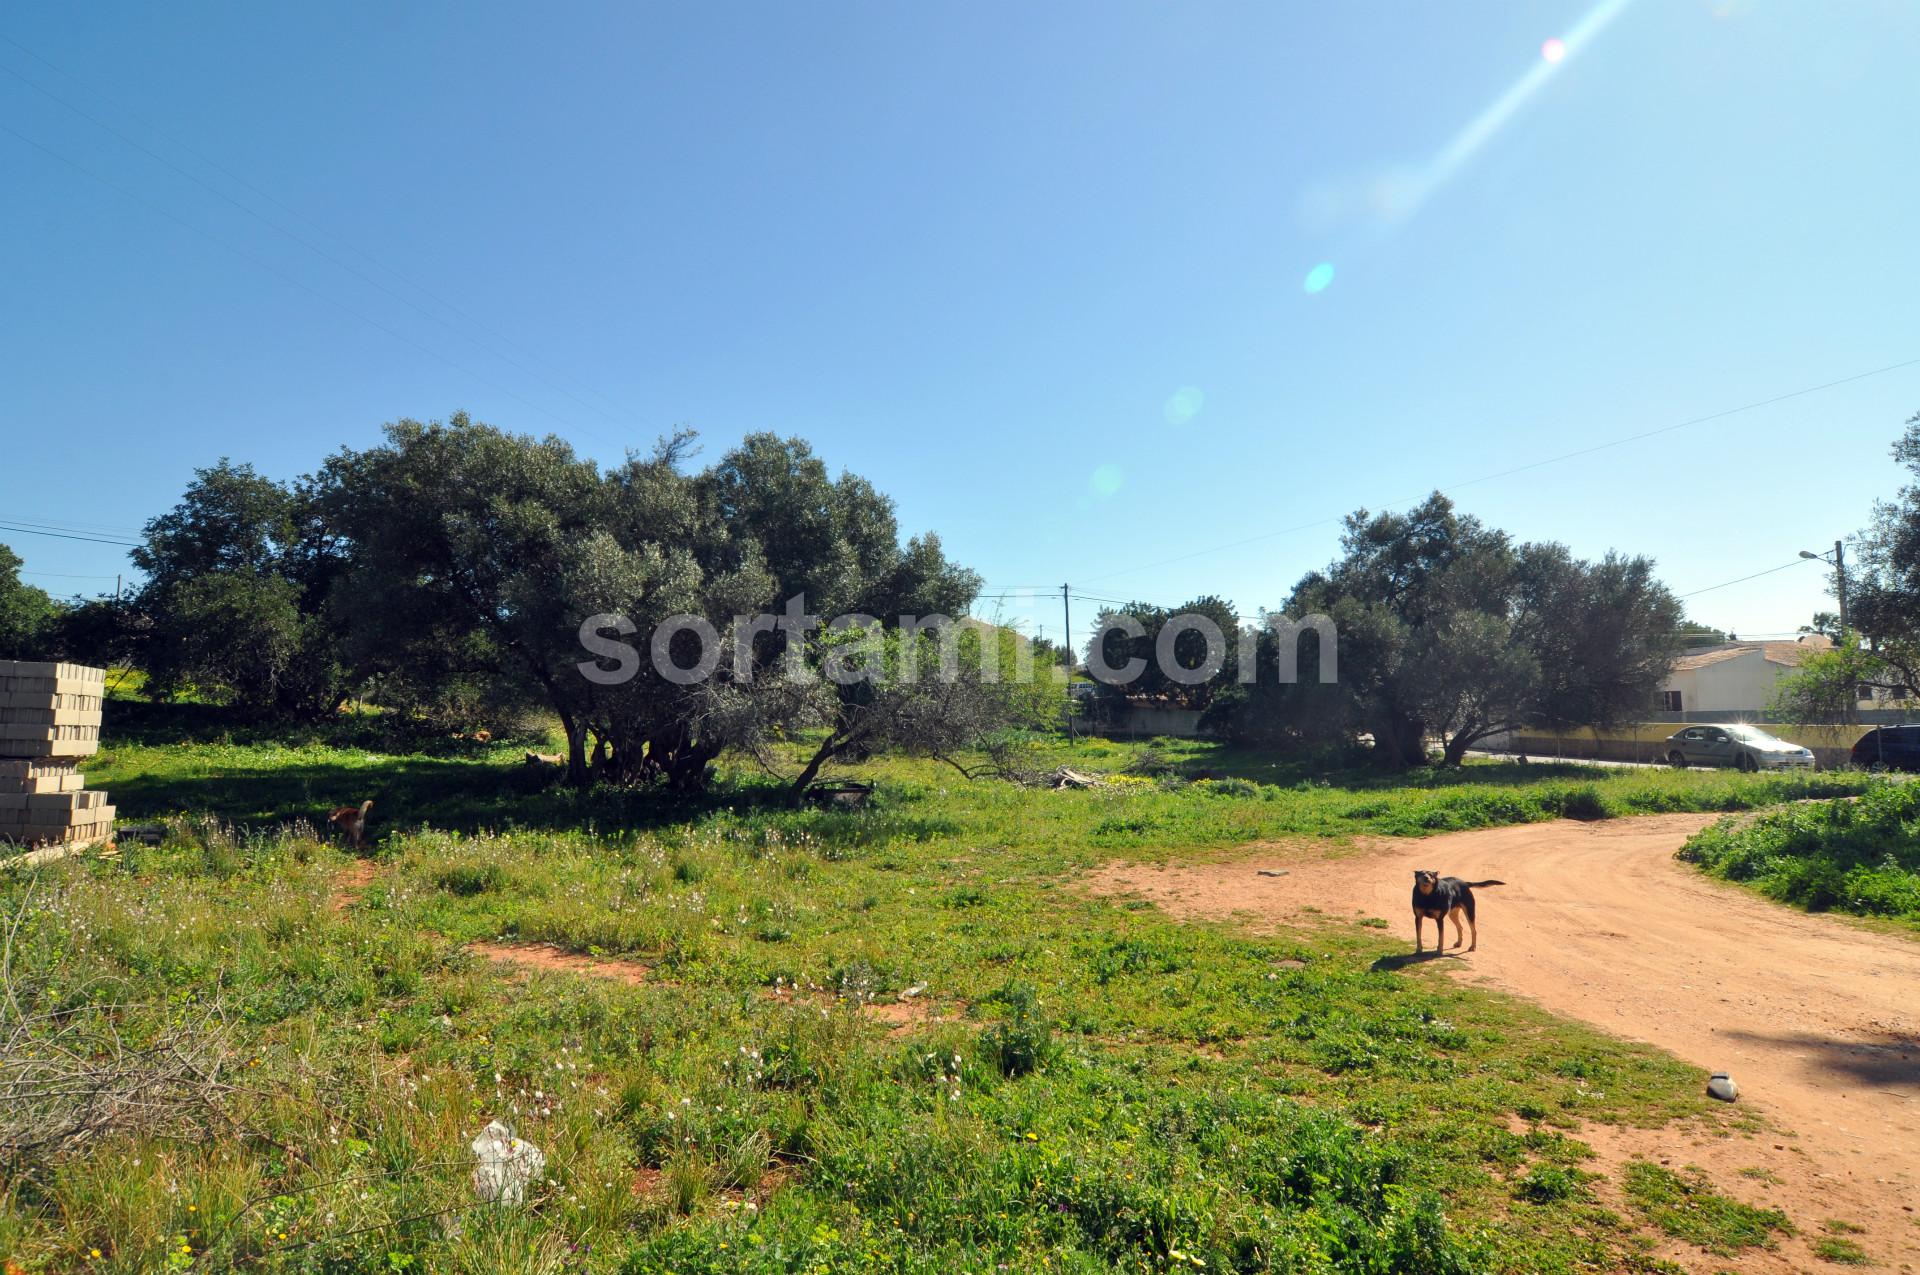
1817,1018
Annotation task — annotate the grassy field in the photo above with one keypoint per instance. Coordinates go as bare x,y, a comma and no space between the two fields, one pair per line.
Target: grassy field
894,1039
1860,856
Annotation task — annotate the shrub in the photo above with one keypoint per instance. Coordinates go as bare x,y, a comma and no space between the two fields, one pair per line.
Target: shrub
1584,802
1547,1183
1022,1041
1860,856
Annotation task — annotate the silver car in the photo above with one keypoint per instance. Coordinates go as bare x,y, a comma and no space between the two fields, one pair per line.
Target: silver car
1735,745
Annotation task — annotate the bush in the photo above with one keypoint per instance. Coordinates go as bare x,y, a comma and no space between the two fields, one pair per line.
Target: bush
1584,802
1548,1183
1022,1041
1860,856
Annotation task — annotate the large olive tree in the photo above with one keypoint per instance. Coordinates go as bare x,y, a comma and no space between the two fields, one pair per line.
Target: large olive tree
1449,630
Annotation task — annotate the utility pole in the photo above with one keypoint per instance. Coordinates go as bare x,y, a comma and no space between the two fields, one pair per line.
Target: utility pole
1840,583
1839,561
1066,608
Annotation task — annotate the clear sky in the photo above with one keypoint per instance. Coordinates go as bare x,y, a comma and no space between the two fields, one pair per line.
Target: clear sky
1088,288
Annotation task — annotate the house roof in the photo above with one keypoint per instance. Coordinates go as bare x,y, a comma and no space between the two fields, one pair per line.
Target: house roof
1790,654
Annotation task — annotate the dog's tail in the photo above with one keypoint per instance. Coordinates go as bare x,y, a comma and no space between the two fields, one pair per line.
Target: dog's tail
1475,885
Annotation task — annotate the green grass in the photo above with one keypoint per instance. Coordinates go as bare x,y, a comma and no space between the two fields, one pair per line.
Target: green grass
1840,1252
469,787
1099,1088
1860,856
1687,1208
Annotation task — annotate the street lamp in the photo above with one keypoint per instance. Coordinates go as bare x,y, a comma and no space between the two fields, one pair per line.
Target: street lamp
1839,561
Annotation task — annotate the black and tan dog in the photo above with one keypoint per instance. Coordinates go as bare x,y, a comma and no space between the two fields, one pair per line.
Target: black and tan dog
1439,898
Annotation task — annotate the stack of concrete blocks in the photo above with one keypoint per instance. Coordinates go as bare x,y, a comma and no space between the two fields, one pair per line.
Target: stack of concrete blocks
49,720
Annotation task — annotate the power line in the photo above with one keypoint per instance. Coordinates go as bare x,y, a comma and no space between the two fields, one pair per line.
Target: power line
1742,580
282,275
59,524
65,575
1531,465
80,528
64,535
264,220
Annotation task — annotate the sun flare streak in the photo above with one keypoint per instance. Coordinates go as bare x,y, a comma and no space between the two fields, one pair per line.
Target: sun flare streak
1555,54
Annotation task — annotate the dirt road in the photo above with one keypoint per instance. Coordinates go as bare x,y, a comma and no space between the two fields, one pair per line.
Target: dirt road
1817,1019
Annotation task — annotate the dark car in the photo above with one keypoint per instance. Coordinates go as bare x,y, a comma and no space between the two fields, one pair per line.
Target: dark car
1888,748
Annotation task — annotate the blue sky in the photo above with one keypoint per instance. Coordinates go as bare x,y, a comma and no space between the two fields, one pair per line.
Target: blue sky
1039,272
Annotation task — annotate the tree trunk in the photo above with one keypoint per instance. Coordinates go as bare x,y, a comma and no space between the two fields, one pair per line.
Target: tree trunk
824,754
688,771
1456,749
1399,741
576,750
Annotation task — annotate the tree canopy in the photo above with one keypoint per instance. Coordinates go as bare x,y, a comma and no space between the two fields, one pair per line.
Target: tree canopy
458,566
1883,590
1448,628
27,613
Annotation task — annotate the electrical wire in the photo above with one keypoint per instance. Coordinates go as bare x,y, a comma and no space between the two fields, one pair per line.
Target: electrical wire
1531,465
1742,580
89,529
64,535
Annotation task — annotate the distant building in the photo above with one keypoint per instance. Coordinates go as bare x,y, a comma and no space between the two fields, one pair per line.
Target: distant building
1733,678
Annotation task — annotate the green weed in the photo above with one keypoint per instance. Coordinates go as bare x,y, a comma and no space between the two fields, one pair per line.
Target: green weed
1685,1207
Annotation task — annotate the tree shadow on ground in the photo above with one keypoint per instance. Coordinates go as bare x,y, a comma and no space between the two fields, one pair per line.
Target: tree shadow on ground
160,724
1265,767
460,794
1890,1062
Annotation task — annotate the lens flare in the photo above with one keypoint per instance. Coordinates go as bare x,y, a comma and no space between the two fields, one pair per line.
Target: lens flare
1553,49
1107,479
1318,278
1184,404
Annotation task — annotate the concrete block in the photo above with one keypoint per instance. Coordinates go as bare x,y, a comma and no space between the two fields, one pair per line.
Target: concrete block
50,717
48,741
55,701
47,730
36,769
53,669
58,805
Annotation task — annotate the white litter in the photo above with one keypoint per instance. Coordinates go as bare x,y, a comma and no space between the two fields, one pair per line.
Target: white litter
506,1165
1721,1086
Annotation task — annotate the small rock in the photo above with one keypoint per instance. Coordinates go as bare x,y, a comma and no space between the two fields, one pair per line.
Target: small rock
1721,1086
1272,872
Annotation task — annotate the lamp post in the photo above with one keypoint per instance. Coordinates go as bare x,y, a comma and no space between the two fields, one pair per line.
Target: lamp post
1839,561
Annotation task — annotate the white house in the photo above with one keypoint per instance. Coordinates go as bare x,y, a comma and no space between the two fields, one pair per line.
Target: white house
1734,677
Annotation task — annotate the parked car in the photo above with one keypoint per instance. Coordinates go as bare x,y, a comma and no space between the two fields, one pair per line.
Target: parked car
1888,748
1735,744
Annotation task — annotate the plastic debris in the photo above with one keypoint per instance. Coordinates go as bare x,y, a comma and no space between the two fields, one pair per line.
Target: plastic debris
505,1165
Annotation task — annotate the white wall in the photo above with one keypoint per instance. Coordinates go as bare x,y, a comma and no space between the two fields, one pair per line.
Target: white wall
1741,684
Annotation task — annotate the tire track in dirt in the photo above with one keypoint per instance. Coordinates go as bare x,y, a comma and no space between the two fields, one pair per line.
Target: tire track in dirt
1817,1018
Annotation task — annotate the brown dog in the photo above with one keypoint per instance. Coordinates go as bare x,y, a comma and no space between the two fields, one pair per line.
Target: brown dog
352,822
1438,898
